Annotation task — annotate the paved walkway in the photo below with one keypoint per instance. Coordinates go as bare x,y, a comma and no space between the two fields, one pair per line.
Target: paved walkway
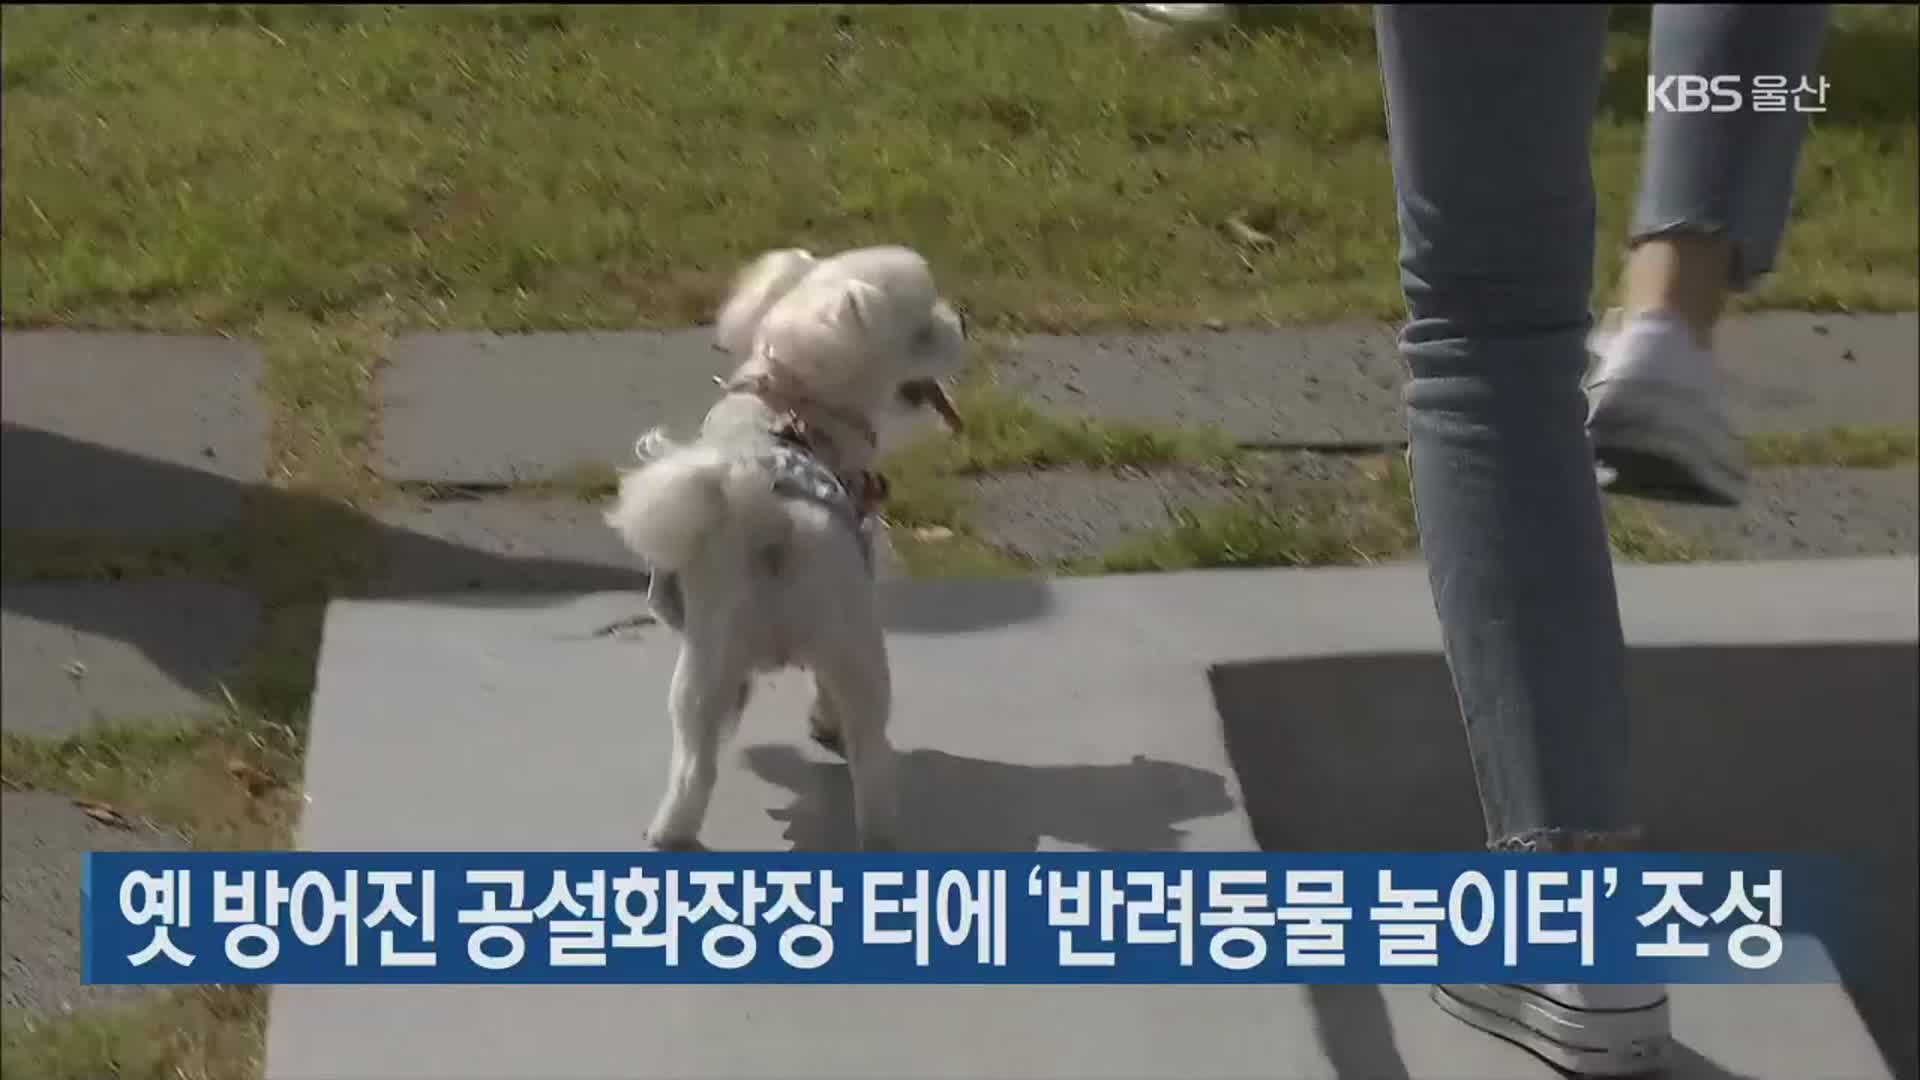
1223,710
132,442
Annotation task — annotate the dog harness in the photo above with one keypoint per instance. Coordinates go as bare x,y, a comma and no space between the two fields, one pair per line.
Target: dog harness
797,474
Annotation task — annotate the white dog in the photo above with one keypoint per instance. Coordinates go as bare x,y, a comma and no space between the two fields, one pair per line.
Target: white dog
757,533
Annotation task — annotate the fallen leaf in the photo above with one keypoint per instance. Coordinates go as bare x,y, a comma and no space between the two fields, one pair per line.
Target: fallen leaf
258,781
104,814
933,532
1247,234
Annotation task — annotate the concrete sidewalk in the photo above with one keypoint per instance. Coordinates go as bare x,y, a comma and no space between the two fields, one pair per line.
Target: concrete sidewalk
1105,714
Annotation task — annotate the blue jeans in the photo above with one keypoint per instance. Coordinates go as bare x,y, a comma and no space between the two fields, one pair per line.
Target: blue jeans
1488,114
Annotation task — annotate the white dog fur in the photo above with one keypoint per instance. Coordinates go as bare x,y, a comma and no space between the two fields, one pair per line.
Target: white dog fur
770,580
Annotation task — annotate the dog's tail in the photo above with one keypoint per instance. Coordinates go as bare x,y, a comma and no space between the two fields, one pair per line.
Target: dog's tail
669,510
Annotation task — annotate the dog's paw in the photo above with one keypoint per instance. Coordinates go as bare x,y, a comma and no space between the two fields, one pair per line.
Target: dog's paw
824,728
678,845
829,741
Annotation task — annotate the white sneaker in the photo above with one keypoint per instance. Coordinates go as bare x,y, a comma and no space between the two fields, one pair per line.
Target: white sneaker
1176,20
1657,413
1586,1030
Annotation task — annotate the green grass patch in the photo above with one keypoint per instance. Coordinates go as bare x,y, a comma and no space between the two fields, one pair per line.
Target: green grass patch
225,784
1837,447
319,375
571,166
927,479
1250,534
1367,522
195,1033
1636,535
1003,432
956,555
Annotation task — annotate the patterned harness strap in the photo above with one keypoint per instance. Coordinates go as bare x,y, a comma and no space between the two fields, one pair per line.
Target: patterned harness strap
867,489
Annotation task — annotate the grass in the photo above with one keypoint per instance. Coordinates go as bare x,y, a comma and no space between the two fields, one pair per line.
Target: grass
197,1033
1837,447
1003,432
957,555
221,785
1370,521
320,177
511,167
1367,522
925,480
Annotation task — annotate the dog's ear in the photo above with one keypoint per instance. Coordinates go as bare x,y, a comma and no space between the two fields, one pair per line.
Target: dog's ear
857,306
755,290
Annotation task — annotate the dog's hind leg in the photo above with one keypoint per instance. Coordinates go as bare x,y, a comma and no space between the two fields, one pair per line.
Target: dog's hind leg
705,701
853,678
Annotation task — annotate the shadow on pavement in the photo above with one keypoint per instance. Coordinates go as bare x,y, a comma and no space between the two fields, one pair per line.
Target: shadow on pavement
955,803
64,488
1803,748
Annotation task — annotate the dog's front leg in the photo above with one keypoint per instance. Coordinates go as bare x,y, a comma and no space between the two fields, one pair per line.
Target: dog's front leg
705,701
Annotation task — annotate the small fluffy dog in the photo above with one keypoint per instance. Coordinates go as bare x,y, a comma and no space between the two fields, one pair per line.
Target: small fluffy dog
758,533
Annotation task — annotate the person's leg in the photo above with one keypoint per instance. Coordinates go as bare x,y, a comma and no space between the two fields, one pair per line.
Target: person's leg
1715,189
1496,262
1488,115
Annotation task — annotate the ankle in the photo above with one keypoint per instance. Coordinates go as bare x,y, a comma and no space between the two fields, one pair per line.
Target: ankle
1684,274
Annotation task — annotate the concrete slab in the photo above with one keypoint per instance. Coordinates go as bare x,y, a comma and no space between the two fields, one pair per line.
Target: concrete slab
76,655
1340,383
1793,371
476,408
522,690
1802,513
501,545
128,432
1084,719
1054,515
42,839
1061,514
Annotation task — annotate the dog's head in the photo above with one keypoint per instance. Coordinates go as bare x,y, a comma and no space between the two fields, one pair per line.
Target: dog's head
861,330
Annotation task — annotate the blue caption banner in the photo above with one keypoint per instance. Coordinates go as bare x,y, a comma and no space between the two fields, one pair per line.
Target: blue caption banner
343,918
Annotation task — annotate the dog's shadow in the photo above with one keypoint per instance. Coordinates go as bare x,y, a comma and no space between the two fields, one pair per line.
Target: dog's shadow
960,605
954,803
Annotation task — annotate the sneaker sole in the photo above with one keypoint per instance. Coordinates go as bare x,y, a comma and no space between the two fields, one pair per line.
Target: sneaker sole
1610,1044
1655,456
1665,469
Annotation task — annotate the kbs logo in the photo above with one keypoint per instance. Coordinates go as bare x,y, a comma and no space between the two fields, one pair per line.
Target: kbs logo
1693,93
